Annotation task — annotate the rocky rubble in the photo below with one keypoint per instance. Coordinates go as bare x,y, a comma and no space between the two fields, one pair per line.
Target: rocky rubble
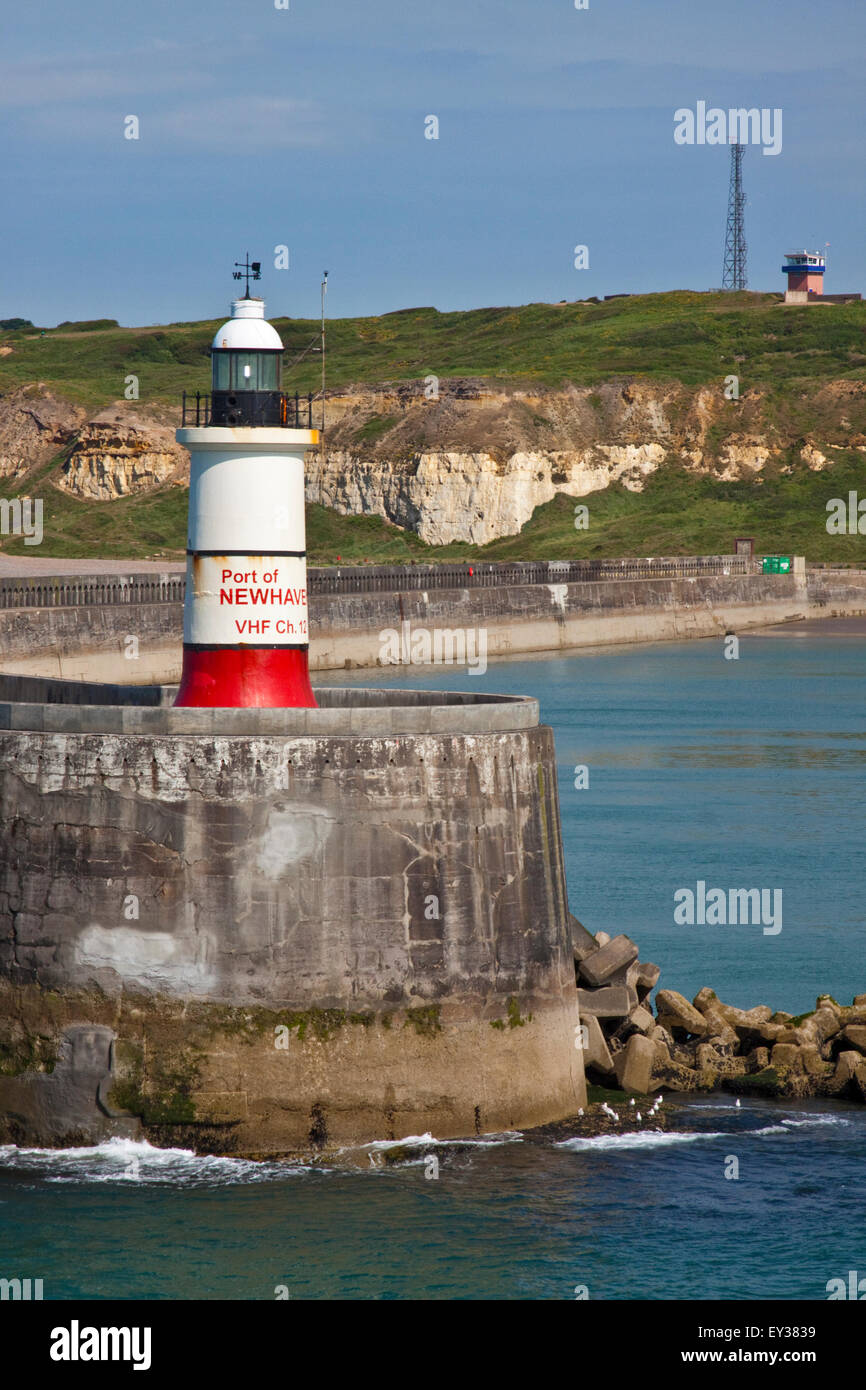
707,1045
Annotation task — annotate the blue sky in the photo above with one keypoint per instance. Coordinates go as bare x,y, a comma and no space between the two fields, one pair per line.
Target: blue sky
305,127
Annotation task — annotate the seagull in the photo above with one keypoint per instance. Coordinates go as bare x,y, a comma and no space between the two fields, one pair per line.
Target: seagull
737,1102
631,1102
580,1111
638,1118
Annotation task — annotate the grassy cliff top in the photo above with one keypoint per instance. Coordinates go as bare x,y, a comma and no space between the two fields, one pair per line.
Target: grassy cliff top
685,336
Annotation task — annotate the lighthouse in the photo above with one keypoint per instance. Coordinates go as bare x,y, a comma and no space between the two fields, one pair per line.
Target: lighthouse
246,626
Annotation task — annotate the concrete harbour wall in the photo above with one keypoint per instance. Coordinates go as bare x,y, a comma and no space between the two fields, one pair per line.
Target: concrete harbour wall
92,643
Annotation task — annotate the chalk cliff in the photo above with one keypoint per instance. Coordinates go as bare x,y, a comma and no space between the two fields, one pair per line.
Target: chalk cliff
462,459
117,453
34,425
473,463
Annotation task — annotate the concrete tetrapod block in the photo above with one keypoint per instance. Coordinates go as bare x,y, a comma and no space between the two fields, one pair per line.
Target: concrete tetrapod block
615,1001
584,942
646,978
597,968
597,1053
718,1027
642,1019
634,1064
676,1013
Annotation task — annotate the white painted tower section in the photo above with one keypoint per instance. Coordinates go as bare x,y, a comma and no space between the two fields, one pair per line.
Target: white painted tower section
248,573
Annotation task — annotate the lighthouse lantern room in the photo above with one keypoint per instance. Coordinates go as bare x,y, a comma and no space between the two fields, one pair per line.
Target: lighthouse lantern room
246,626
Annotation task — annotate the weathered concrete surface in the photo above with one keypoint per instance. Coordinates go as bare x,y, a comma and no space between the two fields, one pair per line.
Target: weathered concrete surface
341,712
397,903
69,1104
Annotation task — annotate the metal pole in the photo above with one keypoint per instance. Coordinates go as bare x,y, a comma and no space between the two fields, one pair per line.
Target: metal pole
324,292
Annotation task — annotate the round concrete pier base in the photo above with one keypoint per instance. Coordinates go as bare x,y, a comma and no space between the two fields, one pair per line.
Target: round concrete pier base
288,928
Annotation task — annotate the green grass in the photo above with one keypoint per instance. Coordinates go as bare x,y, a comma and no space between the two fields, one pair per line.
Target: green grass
686,336
788,354
374,428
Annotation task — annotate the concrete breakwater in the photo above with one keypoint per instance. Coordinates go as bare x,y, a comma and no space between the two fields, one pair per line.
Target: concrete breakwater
111,640
252,931
708,1045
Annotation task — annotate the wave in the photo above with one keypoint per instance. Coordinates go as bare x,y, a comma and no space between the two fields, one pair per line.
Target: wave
135,1161
644,1139
657,1138
427,1141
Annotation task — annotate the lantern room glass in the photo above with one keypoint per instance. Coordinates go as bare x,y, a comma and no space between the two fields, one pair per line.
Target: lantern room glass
246,371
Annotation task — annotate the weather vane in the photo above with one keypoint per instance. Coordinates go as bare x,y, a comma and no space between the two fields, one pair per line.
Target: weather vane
248,270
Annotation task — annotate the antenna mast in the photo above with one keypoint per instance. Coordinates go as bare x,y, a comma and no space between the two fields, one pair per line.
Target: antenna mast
734,274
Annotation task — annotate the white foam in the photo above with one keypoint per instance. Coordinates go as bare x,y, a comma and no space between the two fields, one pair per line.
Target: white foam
129,1160
646,1139
428,1141
819,1120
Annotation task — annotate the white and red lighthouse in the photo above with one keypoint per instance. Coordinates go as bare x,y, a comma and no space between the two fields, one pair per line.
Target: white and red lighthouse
246,628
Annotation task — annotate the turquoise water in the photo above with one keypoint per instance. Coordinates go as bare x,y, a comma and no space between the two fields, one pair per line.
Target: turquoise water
746,773
743,774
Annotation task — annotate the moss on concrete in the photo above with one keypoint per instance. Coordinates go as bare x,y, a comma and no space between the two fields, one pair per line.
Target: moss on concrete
512,1018
425,1020
762,1083
27,1053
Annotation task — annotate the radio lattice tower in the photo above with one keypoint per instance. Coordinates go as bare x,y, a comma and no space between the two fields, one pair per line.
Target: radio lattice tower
734,275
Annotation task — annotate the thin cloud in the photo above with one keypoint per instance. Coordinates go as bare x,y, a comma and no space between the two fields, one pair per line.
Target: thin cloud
244,123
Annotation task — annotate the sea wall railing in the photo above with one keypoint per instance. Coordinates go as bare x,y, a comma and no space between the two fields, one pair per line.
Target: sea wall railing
471,575
89,590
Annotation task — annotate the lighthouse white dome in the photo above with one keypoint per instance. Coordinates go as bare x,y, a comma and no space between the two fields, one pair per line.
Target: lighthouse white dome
247,329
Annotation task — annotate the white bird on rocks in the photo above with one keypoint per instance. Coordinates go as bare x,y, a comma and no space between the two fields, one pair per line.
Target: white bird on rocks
631,1102
580,1111
737,1102
638,1117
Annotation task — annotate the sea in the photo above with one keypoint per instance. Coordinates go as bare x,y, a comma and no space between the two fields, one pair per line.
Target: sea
678,765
